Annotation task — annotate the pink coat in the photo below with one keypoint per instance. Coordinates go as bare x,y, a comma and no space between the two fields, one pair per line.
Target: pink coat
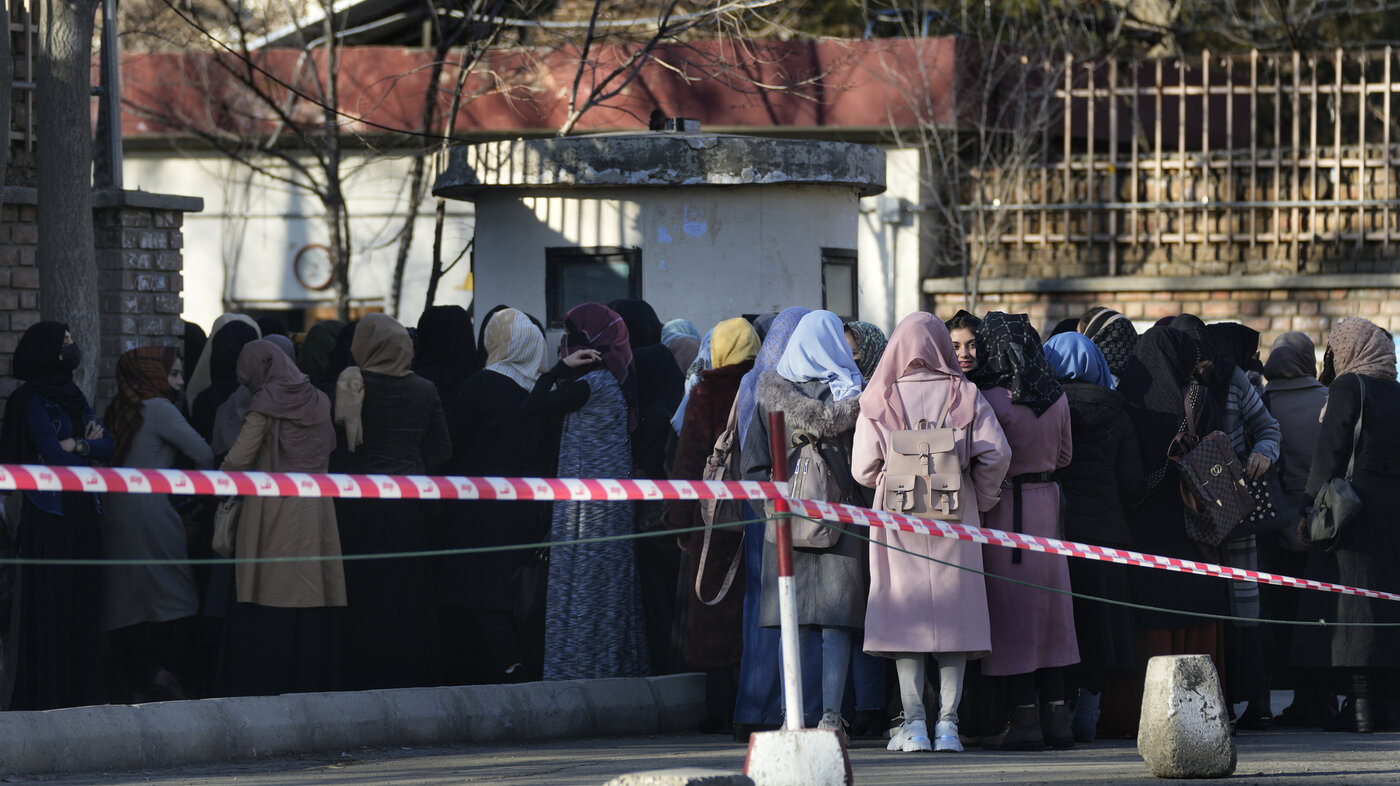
1032,628
916,605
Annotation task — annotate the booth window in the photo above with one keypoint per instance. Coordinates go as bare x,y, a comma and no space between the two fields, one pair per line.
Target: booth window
582,275
839,285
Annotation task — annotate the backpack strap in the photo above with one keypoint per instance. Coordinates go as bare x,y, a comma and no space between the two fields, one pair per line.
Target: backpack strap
1356,432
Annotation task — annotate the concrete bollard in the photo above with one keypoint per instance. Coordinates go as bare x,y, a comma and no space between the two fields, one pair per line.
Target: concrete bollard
805,757
1184,731
686,776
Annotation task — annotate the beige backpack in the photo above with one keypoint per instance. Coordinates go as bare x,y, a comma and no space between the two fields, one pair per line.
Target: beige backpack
923,476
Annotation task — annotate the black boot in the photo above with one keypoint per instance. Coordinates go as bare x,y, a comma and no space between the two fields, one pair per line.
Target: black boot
1022,732
1365,716
1055,725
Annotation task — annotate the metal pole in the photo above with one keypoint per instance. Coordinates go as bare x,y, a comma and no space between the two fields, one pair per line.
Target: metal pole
787,598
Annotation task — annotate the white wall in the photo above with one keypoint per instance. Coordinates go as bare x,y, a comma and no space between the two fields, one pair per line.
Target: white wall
889,252
240,248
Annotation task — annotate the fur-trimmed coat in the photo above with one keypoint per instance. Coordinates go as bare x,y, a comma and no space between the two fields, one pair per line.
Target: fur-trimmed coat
713,634
831,583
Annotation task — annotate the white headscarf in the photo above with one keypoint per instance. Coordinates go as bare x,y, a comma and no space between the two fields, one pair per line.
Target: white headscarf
818,350
200,379
514,347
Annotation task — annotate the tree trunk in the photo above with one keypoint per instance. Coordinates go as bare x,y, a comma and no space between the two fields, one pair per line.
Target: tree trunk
66,255
415,184
337,216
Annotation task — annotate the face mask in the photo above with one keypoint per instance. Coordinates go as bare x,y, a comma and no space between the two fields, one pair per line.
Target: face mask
70,357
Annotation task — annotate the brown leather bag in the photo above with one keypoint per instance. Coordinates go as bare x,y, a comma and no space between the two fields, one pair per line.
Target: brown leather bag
1212,481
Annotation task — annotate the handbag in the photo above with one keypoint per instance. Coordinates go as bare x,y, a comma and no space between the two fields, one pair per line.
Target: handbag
1212,482
1337,503
1270,512
226,525
723,464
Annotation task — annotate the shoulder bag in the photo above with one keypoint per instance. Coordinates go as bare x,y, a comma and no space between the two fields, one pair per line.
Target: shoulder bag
1337,503
226,525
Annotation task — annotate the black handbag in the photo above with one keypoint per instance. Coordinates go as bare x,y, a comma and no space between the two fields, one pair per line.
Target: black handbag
1270,512
1337,503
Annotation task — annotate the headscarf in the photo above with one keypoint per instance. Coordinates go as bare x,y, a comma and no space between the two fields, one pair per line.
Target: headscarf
481,331
195,339
732,341
223,352
678,328
685,350
315,354
300,433
446,350
36,364
774,344
381,346
595,326
1360,346
202,371
870,341
703,361
643,326
1074,356
271,326
763,322
1291,356
1218,375
964,320
285,344
1237,342
142,373
1154,386
1009,356
1068,325
919,341
1113,333
341,358
514,347
818,351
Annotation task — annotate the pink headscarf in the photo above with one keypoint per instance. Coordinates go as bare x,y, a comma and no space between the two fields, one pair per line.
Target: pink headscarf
921,341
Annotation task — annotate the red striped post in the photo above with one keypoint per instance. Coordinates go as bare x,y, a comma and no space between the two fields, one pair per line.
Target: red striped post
787,591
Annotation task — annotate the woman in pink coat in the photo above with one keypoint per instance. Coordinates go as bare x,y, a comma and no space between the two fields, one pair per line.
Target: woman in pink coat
1032,621
918,606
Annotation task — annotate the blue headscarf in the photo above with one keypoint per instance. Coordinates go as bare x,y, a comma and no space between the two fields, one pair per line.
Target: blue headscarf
677,328
1075,356
818,350
775,341
692,378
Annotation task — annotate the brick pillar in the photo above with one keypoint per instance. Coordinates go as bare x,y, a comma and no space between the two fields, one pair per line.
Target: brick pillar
19,280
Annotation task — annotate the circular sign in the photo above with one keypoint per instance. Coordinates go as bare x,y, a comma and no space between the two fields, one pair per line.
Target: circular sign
313,267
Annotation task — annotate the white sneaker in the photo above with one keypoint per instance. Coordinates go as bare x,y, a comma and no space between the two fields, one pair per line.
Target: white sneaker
911,737
946,737
831,721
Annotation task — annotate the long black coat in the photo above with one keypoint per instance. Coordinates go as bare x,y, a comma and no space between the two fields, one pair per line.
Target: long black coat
1368,550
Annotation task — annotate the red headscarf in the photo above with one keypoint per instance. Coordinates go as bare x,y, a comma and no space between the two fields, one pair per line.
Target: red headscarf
142,373
921,341
595,326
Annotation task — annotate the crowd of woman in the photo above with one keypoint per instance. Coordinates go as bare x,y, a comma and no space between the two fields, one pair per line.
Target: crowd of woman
1067,437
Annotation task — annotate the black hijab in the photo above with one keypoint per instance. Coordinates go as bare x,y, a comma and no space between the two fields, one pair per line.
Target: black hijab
36,364
643,326
446,353
1009,355
1237,343
224,349
1155,383
195,339
1213,369
1068,325
272,326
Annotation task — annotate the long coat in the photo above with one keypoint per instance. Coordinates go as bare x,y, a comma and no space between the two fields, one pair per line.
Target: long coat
916,604
831,583
1367,552
713,634
1032,628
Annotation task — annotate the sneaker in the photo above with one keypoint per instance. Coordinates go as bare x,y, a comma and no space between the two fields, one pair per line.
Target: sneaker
911,737
832,721
946,737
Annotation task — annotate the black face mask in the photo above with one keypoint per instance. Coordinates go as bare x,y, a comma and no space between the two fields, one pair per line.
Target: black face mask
70,357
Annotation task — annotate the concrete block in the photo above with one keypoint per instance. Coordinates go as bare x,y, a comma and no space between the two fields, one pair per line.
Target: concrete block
679,700
1184,731
688,776
808,757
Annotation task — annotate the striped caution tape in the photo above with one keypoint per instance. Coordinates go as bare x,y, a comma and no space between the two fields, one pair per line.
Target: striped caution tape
850,514
36,477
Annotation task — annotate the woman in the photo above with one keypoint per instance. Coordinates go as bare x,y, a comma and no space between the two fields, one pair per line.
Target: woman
1155,385
868,344
314,356
594,624
683,339
1032,628
1105,473
392,424
1113,334
816,383
491,599
203,374
447,352
928,597
1366,553
712,641
220,366
58,615
150,609
962,328
283,634
1295,398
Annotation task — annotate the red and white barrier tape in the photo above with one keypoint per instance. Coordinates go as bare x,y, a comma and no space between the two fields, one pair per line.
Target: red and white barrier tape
34,477
851,514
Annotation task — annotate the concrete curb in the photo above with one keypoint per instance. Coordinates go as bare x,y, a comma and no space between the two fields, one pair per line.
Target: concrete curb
174,733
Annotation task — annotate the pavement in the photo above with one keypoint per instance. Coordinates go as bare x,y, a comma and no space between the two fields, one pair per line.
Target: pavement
1285,758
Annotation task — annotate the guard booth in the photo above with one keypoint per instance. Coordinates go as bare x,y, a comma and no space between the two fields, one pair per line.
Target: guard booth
702,226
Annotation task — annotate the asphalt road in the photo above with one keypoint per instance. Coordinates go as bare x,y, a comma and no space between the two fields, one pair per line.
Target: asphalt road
1290,757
